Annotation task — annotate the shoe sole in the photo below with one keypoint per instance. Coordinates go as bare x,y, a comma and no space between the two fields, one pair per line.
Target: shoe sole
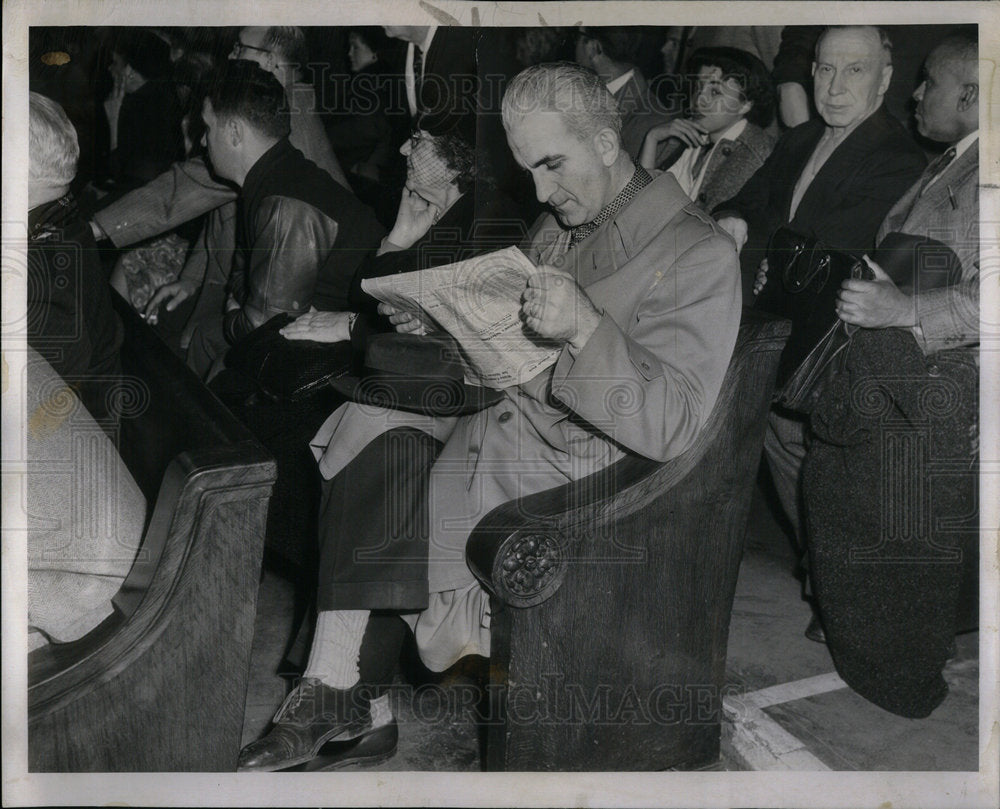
352,731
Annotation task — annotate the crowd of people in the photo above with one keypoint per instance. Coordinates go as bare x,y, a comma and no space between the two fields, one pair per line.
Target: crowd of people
227,183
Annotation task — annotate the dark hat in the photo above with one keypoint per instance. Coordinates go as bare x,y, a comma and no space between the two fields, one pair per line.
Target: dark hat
419,373
917,262
146,53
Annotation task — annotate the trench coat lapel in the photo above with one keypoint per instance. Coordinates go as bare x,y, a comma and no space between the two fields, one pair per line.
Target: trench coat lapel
616,241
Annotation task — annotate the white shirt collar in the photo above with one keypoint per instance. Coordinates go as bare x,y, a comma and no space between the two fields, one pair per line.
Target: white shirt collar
734,131
965,143
616,84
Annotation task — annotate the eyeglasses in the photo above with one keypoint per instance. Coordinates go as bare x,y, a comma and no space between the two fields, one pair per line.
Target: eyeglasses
240,48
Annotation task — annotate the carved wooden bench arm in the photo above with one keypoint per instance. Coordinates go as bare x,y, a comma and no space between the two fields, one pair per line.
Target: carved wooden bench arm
520,551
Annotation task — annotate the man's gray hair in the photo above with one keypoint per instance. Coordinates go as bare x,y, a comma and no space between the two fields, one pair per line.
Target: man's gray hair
883,39
288,43
53,148
578,94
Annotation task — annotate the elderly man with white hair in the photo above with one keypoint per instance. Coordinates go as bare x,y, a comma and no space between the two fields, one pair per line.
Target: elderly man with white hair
640,290
70,319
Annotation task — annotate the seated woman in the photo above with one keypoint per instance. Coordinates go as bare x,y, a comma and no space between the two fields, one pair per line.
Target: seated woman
716,150
449,210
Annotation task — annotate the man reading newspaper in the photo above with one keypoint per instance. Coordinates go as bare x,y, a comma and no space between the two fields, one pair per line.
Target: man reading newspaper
639,292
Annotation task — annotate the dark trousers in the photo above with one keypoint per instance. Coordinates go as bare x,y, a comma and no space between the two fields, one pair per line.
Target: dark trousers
374,526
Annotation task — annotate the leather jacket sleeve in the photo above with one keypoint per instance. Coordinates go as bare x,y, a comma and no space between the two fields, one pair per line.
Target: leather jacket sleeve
293,241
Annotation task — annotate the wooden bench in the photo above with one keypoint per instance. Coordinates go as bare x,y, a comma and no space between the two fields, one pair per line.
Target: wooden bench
611,596
161,684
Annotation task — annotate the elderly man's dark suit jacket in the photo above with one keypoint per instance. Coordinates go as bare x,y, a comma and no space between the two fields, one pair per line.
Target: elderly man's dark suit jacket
847,199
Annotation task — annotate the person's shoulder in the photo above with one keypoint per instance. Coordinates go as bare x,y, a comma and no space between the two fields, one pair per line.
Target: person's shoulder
756,140
663,210
812,128
885,132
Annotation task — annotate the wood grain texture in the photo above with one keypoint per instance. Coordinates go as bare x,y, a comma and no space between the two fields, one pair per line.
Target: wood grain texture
161,685
621,666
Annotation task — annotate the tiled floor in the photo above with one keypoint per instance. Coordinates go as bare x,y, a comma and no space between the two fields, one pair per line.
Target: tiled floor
806,720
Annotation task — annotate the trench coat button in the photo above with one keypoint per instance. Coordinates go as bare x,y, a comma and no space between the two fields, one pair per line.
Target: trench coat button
473,449
933,370
727,150
645,365
505,417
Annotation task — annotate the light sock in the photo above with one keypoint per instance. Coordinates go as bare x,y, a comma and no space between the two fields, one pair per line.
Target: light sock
381,711
333,659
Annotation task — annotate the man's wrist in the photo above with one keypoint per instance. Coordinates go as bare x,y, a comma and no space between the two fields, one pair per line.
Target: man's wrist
586,331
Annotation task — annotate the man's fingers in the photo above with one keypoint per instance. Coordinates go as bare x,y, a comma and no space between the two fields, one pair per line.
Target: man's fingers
880,274
856,285
154,303
179,296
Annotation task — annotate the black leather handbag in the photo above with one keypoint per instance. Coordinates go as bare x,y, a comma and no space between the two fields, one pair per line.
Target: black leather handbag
809,279
288,370
803,279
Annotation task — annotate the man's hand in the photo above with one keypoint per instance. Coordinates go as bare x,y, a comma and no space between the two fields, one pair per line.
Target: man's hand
323,327
690,132
554,307
877,304
404,322
761,279
735,227
173,295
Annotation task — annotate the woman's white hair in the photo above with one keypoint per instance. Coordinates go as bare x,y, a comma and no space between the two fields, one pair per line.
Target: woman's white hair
53,148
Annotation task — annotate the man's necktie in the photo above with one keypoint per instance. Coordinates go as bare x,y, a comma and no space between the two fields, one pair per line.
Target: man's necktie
699,160
418,74
936,168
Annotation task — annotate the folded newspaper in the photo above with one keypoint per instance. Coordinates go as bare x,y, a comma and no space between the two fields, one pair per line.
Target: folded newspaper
478,301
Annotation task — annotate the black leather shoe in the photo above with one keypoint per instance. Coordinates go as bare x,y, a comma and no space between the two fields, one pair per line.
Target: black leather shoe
815,630
312,715
374,747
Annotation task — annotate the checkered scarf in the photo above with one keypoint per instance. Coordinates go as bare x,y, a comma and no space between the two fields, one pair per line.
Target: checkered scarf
640,179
